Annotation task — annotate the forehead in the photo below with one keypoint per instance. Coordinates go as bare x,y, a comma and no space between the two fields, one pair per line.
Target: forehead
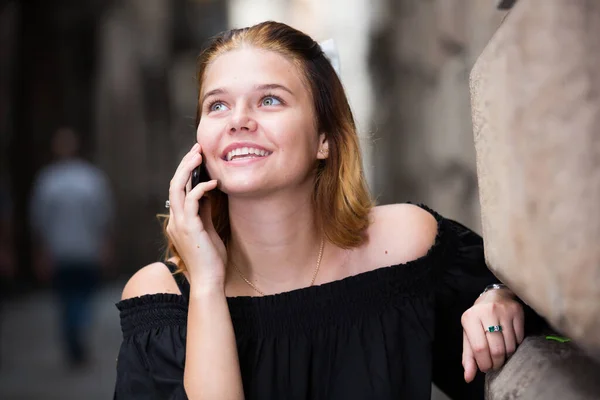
250,66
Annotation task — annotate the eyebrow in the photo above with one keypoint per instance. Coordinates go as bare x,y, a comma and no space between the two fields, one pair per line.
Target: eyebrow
271,86
268,86
211,93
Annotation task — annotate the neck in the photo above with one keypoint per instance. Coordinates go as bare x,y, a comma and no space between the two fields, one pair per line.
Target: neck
274,241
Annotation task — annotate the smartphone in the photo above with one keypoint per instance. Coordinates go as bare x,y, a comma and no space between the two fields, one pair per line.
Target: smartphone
200,174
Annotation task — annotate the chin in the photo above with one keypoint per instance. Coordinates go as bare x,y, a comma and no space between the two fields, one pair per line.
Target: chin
243,188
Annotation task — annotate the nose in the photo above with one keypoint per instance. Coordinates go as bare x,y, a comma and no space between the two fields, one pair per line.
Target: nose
241,120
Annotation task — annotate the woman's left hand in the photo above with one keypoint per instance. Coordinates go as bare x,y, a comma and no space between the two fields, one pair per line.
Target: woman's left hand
489,350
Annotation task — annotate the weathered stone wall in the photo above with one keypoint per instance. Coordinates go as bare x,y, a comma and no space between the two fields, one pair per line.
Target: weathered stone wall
536,117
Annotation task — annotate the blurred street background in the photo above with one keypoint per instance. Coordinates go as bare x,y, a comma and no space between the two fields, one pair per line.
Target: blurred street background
111,84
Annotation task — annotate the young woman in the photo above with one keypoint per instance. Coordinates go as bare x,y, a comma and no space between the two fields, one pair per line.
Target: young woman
284,281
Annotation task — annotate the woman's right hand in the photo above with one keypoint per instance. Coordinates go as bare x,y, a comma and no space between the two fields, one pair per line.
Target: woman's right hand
190,227
212,369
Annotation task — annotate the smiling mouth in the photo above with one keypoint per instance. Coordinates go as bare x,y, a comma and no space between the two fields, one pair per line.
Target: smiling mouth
245,153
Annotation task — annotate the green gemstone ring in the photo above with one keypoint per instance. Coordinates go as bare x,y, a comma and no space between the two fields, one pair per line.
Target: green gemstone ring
495,328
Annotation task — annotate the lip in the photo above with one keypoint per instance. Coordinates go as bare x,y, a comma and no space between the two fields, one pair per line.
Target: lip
239,145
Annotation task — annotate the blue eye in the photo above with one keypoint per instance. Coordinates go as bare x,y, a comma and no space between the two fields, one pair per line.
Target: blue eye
270,101
217,106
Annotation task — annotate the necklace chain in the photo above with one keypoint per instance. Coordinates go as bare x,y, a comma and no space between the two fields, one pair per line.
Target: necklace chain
312,282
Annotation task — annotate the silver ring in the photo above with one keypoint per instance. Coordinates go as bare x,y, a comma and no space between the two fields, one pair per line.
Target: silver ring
494,328
167,204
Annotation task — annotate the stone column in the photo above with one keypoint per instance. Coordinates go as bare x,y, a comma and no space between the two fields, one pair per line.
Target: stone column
536,116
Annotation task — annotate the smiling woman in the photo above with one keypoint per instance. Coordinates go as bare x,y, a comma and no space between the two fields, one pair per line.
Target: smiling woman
254,79
283,281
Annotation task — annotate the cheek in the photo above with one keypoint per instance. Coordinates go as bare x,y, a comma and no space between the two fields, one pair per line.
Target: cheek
292,131
207,135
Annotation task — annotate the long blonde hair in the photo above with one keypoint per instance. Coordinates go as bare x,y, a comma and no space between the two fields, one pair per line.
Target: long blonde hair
341,199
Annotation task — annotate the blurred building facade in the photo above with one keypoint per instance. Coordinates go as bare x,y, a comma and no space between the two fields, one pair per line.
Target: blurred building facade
123,74
421,54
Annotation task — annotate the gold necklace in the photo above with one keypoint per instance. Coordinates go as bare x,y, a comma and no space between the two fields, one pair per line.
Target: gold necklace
312,282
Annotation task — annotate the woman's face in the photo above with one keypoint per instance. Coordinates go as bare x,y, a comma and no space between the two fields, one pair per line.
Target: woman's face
257,131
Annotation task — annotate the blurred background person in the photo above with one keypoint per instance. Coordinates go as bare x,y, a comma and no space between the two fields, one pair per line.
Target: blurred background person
71,217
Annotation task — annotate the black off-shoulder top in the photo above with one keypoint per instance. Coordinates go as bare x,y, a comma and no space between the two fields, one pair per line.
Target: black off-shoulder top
384,334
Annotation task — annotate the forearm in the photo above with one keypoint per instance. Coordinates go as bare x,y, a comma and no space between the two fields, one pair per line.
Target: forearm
212,369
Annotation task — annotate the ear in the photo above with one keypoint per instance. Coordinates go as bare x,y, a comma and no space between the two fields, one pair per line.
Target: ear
323,152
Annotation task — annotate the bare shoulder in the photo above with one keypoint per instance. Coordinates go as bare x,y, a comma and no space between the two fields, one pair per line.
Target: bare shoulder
399,233
151,279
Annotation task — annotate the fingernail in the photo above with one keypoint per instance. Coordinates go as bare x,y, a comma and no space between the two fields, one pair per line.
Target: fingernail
196,146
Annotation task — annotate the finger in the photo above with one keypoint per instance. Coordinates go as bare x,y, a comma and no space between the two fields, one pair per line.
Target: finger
510,338
184,161
188,184
192,201
518,323
469,364
478,340
177,192
169,228
496,345
194,150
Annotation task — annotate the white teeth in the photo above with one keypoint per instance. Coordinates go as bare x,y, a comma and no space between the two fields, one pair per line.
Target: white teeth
244,151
